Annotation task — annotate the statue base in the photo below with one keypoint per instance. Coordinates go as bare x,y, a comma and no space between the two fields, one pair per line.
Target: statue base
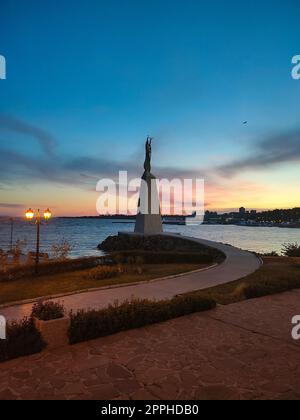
148,224
148,219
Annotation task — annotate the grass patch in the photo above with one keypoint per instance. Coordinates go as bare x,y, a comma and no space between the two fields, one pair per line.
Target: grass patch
163,257
278,274
89,325
47,285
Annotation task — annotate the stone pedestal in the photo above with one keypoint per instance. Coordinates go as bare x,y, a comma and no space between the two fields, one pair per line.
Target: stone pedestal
148,220
54,332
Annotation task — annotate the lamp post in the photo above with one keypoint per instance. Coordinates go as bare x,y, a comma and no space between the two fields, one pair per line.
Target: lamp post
11,233
30,216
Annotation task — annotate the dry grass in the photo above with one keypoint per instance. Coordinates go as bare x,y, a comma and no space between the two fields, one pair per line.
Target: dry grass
275,269
29,288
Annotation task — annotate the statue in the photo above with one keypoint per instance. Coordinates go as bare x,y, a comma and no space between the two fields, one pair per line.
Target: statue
148,219
147,164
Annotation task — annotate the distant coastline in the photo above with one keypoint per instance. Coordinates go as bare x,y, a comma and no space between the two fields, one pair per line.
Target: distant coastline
132,220
122,218
282,218
243,218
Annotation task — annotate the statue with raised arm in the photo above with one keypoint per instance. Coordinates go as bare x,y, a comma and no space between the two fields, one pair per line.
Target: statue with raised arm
148,218
147,164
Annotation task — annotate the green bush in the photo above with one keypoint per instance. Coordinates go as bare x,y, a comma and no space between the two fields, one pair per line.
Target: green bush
22,339
88,325
269,286
46,311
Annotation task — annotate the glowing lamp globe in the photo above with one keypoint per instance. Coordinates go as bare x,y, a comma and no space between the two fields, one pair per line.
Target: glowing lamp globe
47,214
29,214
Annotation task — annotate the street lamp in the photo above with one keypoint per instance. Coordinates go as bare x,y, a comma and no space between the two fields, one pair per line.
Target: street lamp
11,233
30,216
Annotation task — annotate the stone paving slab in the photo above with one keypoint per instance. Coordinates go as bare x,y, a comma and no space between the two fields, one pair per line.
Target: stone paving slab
241,351
250,315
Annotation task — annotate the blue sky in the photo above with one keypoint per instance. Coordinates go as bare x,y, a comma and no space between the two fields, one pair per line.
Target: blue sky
95,77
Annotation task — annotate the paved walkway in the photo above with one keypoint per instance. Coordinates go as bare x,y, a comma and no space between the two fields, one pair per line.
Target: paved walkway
238,264
240,351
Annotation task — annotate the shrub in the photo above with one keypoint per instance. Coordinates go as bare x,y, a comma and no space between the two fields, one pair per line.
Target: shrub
269,286
188,304
3,261
147,243
61,250
291,250
139,262
103,272
17,252
88,325
239,291
135,262
270,254
22,339
46,311
18,247
158,244
51,267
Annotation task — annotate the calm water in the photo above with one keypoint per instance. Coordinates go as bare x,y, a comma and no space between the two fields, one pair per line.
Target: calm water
86,234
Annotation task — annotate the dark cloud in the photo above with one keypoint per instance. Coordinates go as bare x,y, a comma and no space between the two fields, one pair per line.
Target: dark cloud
16,168
45,140
11,206
90,166
172,172
268,152
83,172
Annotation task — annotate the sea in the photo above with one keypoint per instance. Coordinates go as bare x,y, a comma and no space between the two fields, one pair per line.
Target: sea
85,234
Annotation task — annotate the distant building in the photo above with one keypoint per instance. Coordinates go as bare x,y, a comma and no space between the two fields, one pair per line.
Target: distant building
242,211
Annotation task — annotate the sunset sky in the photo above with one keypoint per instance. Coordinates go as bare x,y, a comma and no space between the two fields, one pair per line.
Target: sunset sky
87,81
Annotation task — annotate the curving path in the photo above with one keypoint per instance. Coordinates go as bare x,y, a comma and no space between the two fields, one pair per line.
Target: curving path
238,264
